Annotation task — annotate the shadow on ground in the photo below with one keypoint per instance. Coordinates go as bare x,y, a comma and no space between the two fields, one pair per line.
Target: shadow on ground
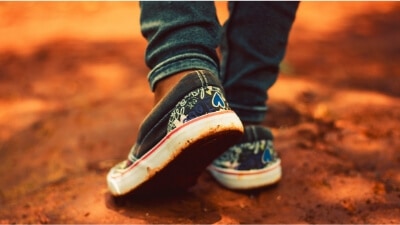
363,55
70,110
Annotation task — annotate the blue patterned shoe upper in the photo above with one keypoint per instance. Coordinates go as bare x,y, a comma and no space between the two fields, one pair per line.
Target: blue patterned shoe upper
197,103
255,151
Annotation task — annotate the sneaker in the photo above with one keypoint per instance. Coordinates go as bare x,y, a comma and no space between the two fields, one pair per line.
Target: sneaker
253,163
179,138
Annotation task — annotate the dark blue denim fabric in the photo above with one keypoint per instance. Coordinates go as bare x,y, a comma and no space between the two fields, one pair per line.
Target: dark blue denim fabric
184,35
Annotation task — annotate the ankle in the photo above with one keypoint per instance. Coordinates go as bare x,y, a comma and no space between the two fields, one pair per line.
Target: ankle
164,86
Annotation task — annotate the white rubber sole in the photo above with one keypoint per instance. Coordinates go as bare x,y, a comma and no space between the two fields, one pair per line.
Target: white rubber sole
121,181
250,179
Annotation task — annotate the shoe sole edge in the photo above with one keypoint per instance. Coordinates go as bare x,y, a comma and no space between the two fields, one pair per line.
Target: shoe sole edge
245,180
170,147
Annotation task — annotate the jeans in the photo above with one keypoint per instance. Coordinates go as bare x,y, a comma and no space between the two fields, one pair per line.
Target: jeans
185,35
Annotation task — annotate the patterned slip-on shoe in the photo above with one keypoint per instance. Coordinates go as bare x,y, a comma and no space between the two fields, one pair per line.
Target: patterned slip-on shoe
253,163
179,138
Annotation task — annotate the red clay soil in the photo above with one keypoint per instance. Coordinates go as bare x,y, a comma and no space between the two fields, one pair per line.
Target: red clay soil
73,92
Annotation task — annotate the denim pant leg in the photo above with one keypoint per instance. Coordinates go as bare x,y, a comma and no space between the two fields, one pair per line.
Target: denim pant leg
253,45
181,36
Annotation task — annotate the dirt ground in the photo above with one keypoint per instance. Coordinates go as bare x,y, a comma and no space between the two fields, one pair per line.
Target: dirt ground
73,92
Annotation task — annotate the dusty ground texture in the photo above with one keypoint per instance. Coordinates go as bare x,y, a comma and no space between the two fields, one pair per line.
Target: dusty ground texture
73,93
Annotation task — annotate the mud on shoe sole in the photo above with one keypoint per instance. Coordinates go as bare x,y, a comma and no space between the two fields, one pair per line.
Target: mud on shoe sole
181,156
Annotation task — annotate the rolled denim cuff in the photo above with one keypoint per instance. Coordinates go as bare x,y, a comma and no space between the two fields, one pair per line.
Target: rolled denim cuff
187,61
249,114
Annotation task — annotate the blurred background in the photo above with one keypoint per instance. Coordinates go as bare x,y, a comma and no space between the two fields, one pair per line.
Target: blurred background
73,92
